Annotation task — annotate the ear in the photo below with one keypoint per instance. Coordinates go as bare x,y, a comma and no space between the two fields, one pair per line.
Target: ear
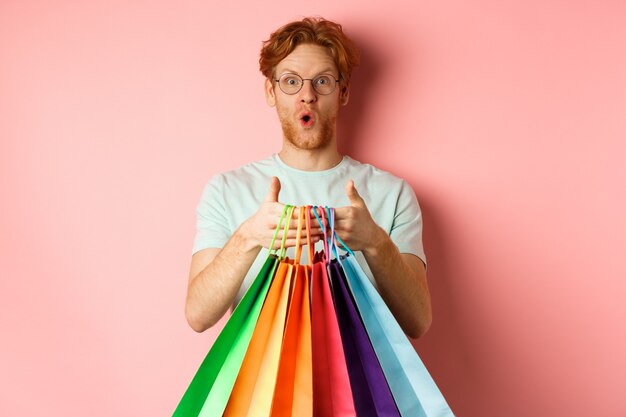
270,96
344,94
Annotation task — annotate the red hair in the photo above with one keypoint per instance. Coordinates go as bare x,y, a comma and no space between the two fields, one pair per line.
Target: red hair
317,31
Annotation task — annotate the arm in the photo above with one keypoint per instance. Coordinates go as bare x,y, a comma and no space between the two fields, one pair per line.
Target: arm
216,274
401,277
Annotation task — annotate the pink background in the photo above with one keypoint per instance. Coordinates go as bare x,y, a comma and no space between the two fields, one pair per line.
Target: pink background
508,118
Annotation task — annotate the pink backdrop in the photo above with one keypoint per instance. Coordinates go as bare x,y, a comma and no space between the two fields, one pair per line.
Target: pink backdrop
508,118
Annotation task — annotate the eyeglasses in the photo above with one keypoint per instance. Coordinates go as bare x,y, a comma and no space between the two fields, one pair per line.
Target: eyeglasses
292,83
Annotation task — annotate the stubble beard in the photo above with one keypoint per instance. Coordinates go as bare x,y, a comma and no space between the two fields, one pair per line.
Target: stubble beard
317,137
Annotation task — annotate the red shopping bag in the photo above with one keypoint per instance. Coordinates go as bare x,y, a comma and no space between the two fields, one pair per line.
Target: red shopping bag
332,395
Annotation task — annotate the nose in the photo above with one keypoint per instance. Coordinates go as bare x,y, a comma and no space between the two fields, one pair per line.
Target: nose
307,93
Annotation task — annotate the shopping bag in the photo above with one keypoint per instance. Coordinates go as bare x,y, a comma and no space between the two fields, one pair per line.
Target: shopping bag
215,378
254,388
210,388
369,386
413,389
293,394
370,391
332,395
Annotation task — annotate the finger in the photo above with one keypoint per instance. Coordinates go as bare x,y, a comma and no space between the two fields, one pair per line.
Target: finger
272,195
309,213
345,238
290,243
295,218
343,213
322,217
353,195
315,210
316,231
293,224
292,234
345,225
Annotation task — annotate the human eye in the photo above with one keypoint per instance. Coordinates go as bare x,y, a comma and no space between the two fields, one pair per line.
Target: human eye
323,80
291,80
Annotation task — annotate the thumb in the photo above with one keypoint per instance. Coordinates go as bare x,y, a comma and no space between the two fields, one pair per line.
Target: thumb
353,195
272,195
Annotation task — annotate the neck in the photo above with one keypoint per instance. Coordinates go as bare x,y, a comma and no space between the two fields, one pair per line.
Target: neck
310,160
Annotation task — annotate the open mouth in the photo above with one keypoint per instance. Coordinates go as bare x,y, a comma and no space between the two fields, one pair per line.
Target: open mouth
307,120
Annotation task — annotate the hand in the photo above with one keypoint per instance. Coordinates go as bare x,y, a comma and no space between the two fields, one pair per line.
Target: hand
354,223
259,229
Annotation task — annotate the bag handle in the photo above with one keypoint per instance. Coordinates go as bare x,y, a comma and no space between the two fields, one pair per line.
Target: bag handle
308,233
278,227
286,218
335,237
331,238
322,223
330,242
298,240
283,249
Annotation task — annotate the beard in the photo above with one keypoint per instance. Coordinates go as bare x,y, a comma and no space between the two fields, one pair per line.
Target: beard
318,136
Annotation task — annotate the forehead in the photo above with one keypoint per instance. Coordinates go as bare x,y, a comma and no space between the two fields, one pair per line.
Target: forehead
307,59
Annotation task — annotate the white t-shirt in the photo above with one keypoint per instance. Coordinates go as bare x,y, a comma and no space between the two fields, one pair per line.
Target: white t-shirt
232,197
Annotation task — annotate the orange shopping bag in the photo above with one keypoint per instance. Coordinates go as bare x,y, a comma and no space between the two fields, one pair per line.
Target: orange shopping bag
293,394
254,388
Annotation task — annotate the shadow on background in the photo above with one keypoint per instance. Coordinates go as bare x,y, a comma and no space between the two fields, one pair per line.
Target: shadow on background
365,78
445,349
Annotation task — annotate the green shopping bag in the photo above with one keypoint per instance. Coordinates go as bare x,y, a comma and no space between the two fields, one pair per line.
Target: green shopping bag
209,390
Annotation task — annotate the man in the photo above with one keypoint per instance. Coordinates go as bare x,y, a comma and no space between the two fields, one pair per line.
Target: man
308,65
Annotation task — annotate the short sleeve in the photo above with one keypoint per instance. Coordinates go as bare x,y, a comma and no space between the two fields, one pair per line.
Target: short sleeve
406,231
212,230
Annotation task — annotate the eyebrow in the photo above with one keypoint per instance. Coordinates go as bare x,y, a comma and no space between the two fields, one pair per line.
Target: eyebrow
327,69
